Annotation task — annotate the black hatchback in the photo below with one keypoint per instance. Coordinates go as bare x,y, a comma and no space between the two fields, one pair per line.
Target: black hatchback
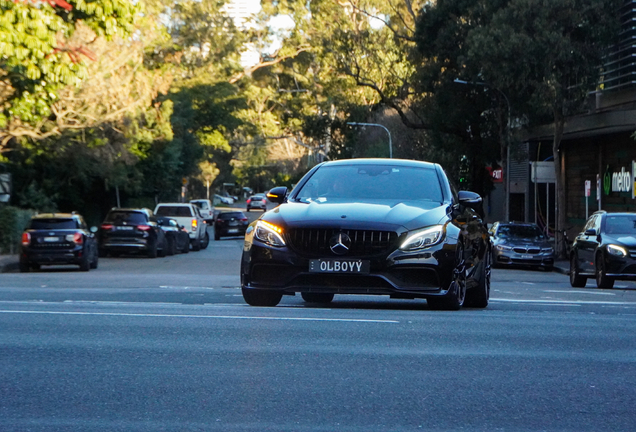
604,250
58,239
131,231
370,226
230,223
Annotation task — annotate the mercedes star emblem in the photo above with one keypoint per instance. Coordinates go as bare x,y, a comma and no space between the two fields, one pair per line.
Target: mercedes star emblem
340,243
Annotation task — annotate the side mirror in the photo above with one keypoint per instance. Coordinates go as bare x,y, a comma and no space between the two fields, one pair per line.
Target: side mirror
469,199
591,232
277,195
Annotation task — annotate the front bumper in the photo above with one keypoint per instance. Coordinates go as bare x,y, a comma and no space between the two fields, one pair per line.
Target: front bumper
620,267
512,258
422,274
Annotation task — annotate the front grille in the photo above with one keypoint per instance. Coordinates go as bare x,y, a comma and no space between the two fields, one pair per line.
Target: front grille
527,250
315,242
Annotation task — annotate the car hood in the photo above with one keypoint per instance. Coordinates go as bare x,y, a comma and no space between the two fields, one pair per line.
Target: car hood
382,215
628,241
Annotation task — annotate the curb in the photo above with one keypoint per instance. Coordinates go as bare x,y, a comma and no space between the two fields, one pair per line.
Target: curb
9,264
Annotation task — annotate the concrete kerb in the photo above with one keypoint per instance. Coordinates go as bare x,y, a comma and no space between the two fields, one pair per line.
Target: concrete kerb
562,266
9,263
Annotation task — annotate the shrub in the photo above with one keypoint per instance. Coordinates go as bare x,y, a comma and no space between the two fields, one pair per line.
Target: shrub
12,222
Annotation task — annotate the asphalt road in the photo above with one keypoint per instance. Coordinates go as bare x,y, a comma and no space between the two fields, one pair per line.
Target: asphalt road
168,344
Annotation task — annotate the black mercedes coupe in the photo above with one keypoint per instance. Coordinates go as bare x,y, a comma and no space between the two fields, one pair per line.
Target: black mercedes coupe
370,226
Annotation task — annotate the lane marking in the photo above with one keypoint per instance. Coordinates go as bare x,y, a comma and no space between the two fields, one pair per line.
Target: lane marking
201,316
579,292
576,302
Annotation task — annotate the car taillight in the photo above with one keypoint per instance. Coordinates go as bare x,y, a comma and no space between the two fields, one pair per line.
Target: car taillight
78,238
107,227
219,221
244,219
264,200
143,227
26,239
248,201
194,224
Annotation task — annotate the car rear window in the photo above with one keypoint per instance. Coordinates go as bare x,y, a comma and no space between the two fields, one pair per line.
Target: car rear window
230,215
128,217
178,211
201,204
52,224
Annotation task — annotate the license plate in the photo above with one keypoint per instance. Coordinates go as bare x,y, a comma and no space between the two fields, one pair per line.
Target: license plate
233,230
124,228
527,256
51,239
339,266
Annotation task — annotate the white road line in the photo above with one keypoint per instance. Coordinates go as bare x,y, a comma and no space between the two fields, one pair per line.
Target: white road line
579,292
577,302
201,316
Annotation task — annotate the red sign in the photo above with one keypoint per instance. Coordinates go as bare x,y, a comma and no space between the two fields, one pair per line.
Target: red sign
496,175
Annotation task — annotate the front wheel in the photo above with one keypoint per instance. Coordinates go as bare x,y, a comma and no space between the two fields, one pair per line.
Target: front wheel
25,267
261,297
478,296
456,295
602,280
206,241
576,280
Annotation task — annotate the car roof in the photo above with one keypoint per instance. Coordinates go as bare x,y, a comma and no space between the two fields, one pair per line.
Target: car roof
175,204
381,161
55,216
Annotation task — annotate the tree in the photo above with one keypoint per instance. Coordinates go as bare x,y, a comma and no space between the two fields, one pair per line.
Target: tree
38,57
550,53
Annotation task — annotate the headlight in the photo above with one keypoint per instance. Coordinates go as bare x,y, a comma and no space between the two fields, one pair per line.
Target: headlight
269,233
616,250
423,238
547,250
503,248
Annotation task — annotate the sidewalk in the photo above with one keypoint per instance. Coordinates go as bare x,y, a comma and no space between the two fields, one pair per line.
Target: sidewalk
9,263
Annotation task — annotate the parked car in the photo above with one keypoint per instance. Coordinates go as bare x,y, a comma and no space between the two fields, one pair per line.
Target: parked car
218,199
230,223
206,209
188,215
258,201
176,235
522,244
370,226
604,250
58,239
131,230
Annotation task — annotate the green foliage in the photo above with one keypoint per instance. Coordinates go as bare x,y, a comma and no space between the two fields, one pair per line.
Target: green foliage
14,220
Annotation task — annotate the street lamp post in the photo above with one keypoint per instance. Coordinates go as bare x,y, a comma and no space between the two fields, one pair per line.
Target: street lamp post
378,125
458,81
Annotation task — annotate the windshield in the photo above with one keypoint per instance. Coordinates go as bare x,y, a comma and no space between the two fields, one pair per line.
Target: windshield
620,225
52,224
371,182
520,231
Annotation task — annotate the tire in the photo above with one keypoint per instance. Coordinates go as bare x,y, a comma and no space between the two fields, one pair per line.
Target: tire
25,267
216,236
186,246
247,209
152,250
196,245
85,264
172,246
602,280
206,241
576,280
115,254
95,261
456,295
317,297
261,298
478,296
102,253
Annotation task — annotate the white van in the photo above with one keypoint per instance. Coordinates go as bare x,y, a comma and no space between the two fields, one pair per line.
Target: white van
206,208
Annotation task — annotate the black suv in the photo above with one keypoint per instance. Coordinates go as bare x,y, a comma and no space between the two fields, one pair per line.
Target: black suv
131,230
58,239
605,250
